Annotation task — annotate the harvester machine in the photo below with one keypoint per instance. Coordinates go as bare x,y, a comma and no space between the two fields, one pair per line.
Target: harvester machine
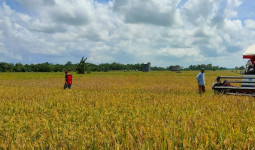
239,85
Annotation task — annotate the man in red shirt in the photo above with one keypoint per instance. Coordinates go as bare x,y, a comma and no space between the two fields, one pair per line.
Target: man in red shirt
68,80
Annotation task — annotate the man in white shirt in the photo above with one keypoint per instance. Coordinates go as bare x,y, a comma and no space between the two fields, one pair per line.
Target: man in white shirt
201,81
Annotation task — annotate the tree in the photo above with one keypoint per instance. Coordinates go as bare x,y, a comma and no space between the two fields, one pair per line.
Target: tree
236,68
69,66
28,68
58,68
209,67
81,66
44,67
5,67
19,67
105,67
241,68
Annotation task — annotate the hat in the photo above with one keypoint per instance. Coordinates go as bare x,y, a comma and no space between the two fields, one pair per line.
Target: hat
202,69
66,71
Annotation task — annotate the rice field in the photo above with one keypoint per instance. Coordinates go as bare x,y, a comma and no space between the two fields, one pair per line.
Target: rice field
122,110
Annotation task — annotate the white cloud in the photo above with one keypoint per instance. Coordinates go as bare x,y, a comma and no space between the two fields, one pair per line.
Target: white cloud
250,24
153,12
133,31
199,11
178,52
71,12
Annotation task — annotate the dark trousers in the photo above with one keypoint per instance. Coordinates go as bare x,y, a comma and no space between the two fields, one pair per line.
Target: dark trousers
201,89
67,86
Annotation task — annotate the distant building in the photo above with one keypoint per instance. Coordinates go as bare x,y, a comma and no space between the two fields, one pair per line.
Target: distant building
146,67
175,68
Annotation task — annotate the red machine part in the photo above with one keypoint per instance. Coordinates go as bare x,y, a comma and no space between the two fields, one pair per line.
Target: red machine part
252,57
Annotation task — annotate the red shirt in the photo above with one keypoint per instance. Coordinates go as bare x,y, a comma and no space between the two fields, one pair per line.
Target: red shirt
68,79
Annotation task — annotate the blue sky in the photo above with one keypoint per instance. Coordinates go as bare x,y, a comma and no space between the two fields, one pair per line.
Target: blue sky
165,32
246,10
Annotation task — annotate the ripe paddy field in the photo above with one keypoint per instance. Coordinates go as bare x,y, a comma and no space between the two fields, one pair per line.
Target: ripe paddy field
122,110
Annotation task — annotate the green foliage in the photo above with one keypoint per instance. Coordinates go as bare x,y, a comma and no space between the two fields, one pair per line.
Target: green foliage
69,66
81,66
158,68
5,67
239,68
206,67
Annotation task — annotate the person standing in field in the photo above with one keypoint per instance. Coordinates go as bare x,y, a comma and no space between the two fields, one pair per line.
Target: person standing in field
201,81
68,80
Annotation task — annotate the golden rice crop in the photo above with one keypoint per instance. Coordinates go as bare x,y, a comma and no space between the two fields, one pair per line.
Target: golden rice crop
122,110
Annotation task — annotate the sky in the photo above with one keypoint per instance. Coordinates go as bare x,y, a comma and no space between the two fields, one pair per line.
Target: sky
163,32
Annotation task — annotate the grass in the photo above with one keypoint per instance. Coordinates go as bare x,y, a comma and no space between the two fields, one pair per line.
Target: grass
122,110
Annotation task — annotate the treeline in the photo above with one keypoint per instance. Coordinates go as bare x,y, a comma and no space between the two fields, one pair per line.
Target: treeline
206,67
211,67
89,67
49,67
